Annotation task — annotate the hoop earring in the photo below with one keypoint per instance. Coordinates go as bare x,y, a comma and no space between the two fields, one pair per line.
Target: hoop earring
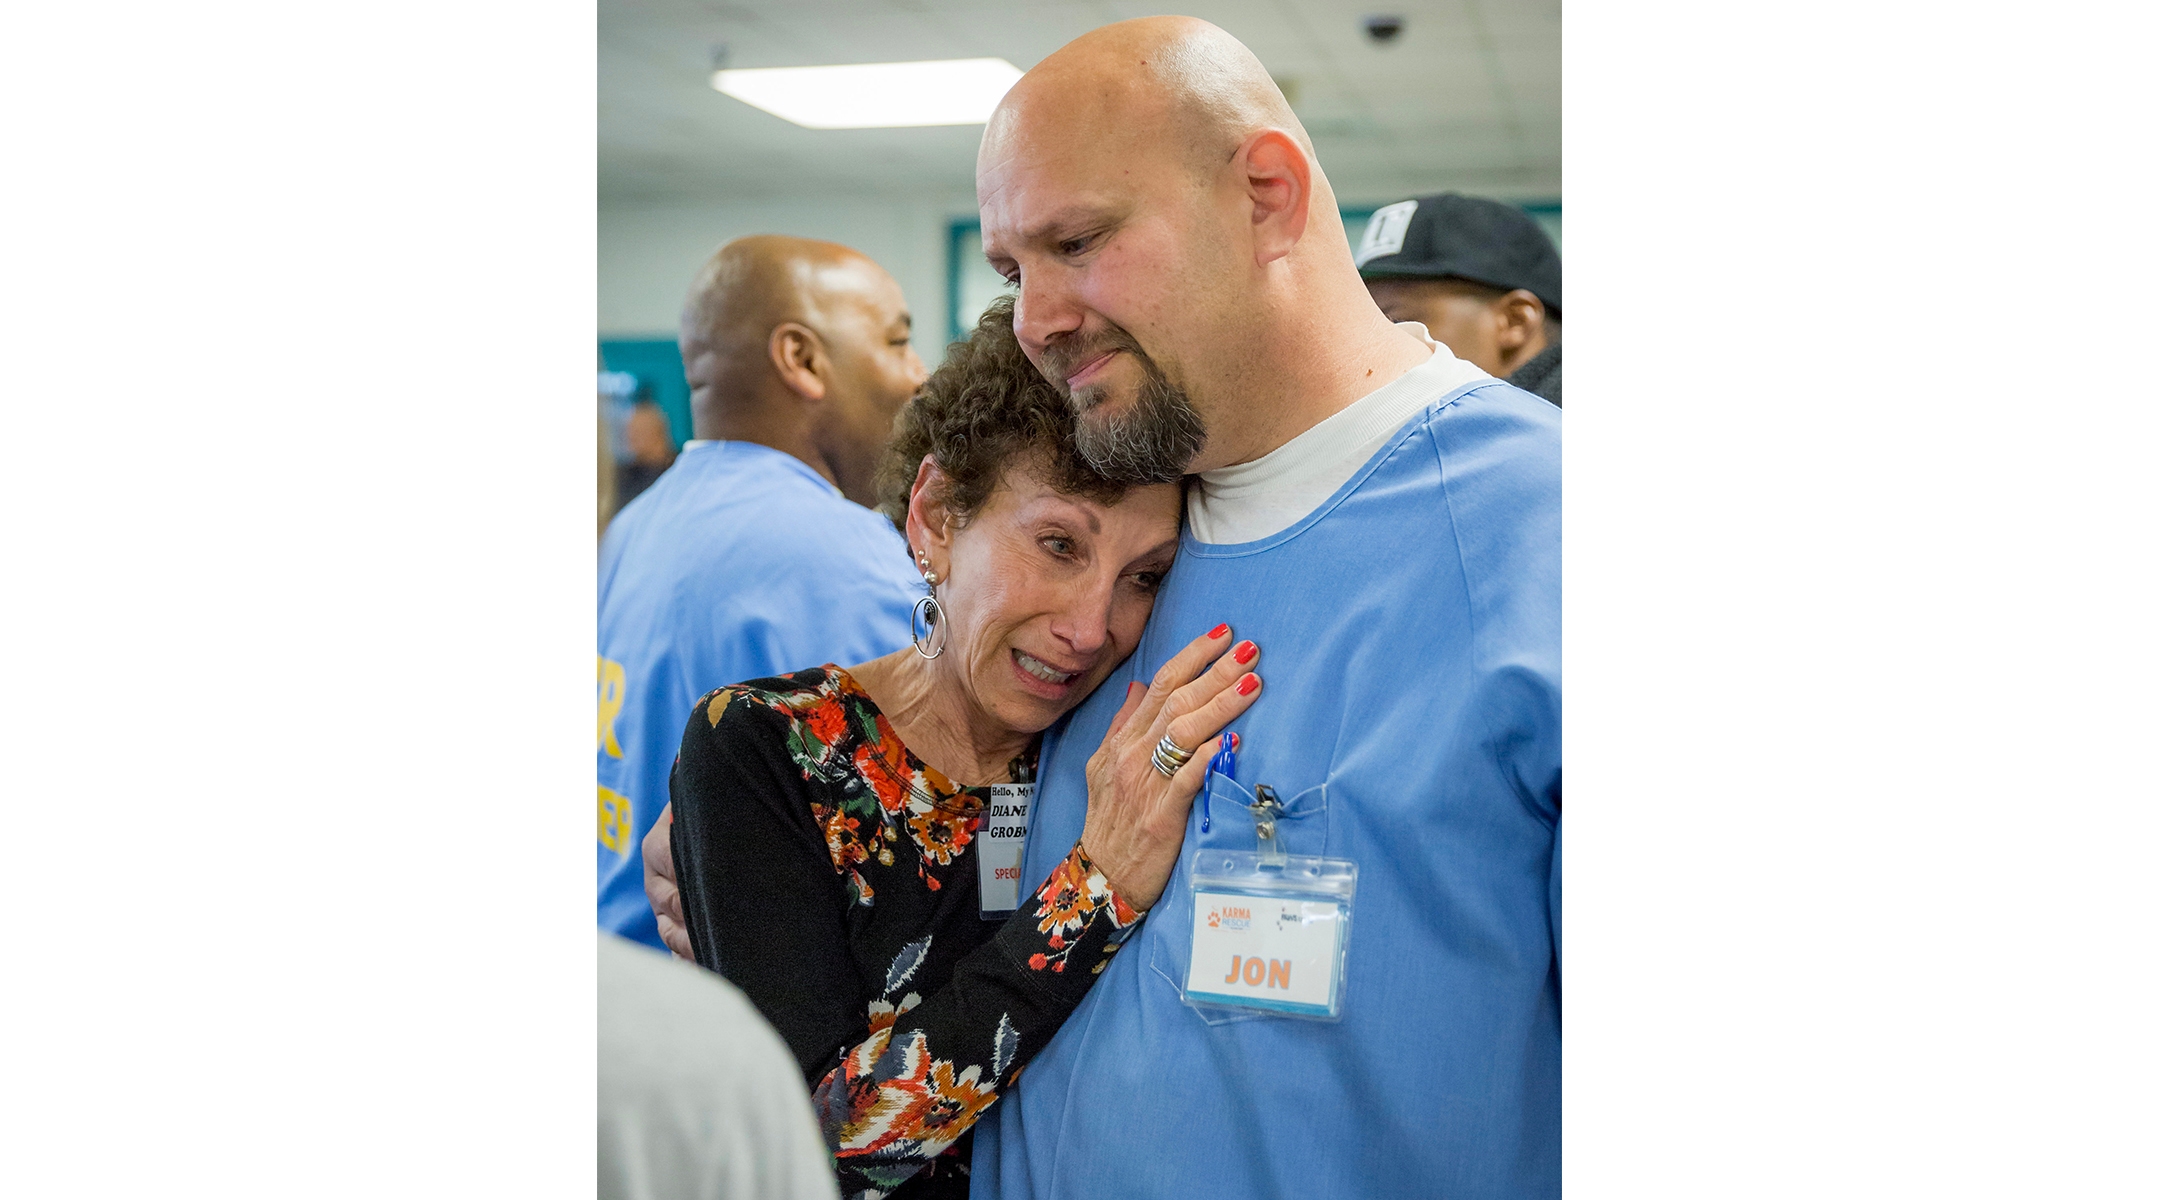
927,612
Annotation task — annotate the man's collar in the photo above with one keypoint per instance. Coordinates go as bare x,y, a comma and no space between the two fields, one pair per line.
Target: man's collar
798,464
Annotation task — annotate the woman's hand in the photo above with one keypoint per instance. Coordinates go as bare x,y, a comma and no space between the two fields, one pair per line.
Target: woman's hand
1136,817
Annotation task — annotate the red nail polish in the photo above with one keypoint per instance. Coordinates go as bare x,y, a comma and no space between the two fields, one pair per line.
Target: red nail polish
1245,652
1233,741
1246,685
1219,630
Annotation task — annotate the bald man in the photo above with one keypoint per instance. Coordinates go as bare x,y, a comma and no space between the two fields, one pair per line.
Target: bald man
753,554
1384,518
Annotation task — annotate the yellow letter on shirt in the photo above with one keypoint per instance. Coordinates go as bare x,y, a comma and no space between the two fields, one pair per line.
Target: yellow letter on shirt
614,820
611,697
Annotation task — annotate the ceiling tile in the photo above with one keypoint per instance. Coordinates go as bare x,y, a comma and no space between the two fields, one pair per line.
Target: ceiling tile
1470,91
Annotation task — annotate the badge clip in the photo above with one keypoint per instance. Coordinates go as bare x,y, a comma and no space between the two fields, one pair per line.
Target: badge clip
1265,808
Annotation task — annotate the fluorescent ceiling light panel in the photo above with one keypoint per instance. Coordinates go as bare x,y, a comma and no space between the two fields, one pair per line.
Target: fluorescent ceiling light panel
958,91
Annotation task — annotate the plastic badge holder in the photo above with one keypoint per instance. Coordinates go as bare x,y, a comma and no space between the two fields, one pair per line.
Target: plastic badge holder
1270,933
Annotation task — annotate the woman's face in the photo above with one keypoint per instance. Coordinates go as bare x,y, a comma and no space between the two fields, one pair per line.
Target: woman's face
1045,594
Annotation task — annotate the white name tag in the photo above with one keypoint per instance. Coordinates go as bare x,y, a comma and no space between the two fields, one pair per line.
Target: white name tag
998,845
1273,952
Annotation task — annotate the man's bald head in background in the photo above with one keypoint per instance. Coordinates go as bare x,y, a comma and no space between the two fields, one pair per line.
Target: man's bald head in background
1182,266
802,346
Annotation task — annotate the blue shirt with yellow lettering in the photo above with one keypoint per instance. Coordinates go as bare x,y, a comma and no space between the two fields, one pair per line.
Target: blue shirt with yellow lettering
1411,724
739,563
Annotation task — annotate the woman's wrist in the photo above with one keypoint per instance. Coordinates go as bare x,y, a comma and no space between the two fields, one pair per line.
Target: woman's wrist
1100,883
1122,897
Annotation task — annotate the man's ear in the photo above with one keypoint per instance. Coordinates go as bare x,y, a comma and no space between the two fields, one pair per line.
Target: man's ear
1520,316
798,354
929,521
1278,179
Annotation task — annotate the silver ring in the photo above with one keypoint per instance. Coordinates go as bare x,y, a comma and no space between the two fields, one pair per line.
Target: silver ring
1172,751
1169,756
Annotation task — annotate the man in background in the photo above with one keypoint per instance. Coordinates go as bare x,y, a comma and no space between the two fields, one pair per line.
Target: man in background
651,446
1481,276
753,555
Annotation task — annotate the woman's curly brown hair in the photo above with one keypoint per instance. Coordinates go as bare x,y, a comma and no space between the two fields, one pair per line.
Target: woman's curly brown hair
983,412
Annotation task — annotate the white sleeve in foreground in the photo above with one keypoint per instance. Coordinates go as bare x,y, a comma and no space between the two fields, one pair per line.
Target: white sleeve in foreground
699,1099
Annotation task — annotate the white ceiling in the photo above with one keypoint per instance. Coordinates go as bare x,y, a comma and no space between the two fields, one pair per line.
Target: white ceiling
1467,97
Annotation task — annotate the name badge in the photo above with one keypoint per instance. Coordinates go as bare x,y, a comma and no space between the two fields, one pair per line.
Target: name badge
999,844
1270,935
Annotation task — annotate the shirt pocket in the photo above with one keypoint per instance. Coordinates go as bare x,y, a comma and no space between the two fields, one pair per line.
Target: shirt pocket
1301,828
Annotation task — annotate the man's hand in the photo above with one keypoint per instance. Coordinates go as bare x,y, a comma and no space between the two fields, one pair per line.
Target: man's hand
660,884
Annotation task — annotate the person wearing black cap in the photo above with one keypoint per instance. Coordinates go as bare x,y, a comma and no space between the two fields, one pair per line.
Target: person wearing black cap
1481,276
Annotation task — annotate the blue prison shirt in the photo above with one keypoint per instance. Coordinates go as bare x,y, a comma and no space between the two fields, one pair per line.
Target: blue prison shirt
1410,629
739,562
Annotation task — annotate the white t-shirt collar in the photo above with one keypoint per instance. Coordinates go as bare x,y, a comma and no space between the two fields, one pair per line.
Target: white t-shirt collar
1261,498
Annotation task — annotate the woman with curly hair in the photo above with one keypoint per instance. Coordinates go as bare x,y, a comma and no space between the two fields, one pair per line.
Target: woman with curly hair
828,824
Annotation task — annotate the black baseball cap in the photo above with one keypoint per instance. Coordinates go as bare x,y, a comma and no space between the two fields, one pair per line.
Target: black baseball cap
1452,236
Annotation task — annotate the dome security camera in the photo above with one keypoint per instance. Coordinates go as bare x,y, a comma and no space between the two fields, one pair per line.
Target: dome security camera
1383,29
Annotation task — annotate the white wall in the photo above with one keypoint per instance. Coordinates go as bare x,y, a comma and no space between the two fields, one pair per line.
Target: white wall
649,251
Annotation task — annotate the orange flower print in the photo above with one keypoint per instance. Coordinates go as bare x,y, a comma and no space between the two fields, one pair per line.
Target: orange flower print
940,832
1063,902
828,722
900,1097
843,840
886,781
956,1100
887,1091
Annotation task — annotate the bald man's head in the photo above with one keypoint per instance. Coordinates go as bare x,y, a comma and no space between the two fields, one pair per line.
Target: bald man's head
1162,212
754,284
1174,83
803,346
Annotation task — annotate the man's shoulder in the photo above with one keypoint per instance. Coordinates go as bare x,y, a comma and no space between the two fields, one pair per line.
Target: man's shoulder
781,509
1498,460
1496,436
771,523
809,527
1486,446
1493,405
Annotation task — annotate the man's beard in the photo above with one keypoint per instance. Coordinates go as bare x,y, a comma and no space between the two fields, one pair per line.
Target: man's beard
1156,437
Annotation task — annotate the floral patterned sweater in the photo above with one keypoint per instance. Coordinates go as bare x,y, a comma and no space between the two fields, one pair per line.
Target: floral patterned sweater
831,875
